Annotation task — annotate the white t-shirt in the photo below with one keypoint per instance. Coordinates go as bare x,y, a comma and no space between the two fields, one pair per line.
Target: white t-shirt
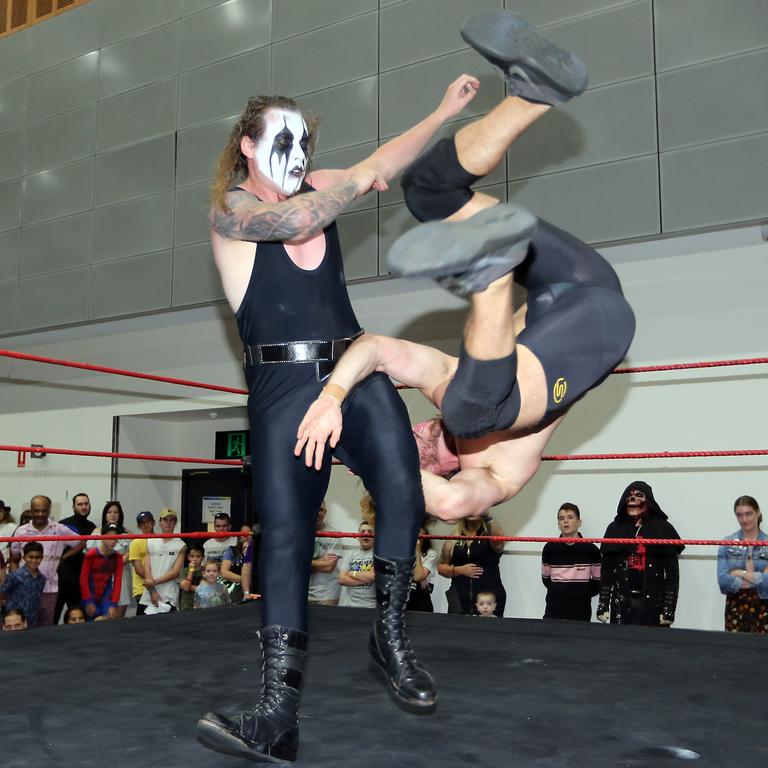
162,555
362,595
325,586
6,529
214,549
429,561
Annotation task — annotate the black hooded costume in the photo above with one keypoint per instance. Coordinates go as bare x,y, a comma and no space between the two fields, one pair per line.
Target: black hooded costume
638,583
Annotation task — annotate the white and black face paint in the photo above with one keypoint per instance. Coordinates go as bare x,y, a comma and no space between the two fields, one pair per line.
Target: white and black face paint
281,154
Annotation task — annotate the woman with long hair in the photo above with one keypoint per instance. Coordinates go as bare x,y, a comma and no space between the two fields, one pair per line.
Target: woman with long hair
742,572
112,514
473,566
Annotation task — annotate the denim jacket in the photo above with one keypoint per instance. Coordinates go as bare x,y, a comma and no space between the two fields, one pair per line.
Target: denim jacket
733,556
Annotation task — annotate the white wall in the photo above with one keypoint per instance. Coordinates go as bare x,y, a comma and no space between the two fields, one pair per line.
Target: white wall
698,297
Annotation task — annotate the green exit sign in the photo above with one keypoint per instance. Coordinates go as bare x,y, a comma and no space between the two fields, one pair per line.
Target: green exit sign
233,445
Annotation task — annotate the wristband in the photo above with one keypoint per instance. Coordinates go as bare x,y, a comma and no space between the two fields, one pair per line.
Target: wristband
334,391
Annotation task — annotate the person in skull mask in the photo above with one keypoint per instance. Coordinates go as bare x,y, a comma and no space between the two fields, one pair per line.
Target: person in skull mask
639,583
276,246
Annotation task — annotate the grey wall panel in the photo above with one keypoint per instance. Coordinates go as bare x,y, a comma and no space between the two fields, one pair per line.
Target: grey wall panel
8,301
292,17
195,278
9,255
61,139
554,11
717,100
715,184
138,226
141,169
345,158
348,51
57,299
604,124
191,220
616,44
597,204
358,233
64,37
11,155
394,220
348,113
120,19
192,6
498,175
10,204
691,31
408,94
224,31
137,115
56,245
128,286
139,60
222,89
58,192
199,149
63,87
13,104
14,56
423,29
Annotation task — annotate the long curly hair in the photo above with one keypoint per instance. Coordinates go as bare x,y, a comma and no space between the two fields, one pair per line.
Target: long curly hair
232,165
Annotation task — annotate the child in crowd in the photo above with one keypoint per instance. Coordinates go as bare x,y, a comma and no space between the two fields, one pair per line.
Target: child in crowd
74,615
14,620
23,587
486,604
211,593
570,572
192,578
101,577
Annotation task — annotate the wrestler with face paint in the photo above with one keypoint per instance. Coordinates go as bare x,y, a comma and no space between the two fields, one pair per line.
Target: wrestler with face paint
276,246
281,155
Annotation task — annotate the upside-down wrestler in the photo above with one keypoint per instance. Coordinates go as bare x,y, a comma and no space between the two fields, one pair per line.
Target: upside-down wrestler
277,250
520,371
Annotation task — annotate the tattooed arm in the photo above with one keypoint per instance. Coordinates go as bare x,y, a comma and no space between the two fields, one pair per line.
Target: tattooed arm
296,218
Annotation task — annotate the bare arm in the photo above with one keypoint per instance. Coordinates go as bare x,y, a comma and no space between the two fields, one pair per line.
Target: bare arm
413,364
227,572
296,218
400,152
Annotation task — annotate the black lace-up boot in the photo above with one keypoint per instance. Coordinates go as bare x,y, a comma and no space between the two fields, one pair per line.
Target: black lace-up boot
270,732
409,684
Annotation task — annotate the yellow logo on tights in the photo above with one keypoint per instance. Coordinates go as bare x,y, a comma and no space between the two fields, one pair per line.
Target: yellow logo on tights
559,389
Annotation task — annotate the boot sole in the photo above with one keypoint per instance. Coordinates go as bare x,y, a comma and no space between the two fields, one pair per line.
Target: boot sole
446,248
219,740
514,46
414,707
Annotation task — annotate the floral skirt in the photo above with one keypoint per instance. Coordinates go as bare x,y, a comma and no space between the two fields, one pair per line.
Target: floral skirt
746,612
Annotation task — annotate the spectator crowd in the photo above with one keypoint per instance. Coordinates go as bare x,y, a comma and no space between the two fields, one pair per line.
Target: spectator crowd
100,579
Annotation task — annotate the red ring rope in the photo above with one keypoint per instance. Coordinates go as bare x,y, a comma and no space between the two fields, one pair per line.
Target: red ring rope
238,391
357,535
119,455
238,462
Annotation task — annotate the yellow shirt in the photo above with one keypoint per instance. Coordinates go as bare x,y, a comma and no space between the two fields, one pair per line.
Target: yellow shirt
137,551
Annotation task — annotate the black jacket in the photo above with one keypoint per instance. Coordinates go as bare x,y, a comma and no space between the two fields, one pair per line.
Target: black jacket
636,596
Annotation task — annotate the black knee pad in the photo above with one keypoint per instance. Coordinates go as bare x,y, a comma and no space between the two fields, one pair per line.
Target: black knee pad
482,397
435,184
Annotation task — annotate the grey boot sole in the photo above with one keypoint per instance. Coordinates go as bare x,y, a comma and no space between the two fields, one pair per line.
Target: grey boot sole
479,250
534,68
220,740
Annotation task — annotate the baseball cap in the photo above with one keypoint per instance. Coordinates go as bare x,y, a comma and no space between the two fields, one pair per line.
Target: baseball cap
145,515
112,528
3,505
168,512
